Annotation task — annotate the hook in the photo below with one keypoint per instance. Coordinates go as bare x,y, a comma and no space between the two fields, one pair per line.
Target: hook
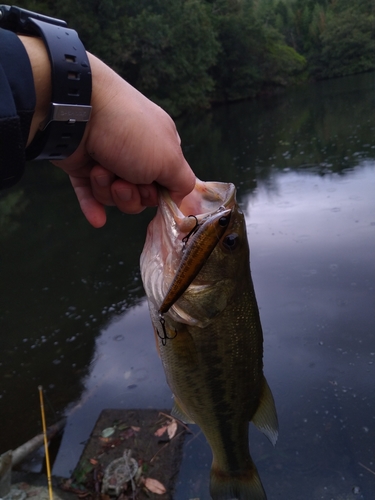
165,337
194,230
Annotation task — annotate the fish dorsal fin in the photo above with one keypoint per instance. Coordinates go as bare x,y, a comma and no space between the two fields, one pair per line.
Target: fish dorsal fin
178,413
265,418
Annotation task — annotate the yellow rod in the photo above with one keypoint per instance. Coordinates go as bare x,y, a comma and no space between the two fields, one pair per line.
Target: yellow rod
49,478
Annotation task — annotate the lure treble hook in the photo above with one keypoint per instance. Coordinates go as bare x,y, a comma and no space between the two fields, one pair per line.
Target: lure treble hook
185,239
164,337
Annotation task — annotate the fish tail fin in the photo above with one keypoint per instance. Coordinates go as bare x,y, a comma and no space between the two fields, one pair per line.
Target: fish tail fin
240,486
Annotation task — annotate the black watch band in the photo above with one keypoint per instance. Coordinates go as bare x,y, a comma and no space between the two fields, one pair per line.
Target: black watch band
59,136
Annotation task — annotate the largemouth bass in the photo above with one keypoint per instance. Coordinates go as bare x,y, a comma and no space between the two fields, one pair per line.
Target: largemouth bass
196,274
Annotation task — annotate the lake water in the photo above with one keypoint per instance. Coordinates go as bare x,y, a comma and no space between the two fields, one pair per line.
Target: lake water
73,315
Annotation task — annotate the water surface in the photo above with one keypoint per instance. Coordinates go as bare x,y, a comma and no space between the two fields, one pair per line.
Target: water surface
73,316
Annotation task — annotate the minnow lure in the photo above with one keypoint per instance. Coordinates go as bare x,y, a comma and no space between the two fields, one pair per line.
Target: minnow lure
203,240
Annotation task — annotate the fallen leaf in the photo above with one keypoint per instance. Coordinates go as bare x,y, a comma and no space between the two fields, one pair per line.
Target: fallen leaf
155,486
161,431
93,461
122,426
80,474
135,429
108,432
129,432
84,494
172,428
105,440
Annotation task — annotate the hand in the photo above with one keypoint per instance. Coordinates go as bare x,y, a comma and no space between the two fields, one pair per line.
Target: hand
130,144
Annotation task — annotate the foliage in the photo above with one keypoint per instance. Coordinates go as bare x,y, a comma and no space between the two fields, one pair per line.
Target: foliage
185,54
337,37
171,53
238,70
348,44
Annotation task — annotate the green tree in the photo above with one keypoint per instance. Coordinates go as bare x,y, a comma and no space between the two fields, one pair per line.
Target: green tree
170,54
185,54
254,56
282,64
348,44
237,72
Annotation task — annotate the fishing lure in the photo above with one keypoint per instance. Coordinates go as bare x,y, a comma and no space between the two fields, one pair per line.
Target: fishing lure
205,237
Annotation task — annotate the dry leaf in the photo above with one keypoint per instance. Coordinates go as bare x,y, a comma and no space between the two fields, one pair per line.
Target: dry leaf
172,428
105,440
161,431
135,429
126,434
93,461
154,486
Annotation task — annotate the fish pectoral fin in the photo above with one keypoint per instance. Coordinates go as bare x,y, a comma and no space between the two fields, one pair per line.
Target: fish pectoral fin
180,414
203,302
265,418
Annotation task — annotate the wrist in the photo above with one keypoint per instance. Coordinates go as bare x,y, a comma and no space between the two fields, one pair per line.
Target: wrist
41,69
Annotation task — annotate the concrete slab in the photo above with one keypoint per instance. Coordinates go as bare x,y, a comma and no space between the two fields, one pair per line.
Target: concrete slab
158,456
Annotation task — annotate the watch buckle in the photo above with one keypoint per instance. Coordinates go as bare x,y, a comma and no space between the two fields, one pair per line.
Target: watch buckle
70,113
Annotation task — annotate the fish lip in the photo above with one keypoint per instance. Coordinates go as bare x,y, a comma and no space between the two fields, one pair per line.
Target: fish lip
207,196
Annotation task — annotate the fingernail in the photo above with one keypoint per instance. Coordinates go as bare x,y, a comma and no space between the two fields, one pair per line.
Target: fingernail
102,180
124,194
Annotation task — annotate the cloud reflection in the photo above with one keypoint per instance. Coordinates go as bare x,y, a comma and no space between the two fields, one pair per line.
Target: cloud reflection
126,372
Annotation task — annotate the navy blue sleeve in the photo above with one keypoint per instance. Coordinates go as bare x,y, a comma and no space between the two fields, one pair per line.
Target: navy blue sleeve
17,105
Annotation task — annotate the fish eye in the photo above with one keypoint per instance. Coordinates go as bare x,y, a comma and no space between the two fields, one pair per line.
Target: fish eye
230,242
224,221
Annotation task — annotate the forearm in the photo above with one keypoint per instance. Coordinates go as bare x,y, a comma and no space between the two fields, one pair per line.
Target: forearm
129,147
41,69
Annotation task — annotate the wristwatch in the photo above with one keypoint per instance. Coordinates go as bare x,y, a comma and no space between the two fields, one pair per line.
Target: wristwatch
60,134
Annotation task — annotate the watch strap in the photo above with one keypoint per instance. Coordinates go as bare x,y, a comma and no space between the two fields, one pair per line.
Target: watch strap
61,133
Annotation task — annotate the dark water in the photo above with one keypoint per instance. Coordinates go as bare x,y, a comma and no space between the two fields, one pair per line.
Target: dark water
73,315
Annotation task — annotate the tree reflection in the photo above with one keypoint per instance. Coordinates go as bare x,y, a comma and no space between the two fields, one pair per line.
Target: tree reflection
62,282
323,128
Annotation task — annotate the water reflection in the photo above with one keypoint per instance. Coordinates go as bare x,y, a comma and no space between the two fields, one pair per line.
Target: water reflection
61,283
312,240
73,316
326,127
125,373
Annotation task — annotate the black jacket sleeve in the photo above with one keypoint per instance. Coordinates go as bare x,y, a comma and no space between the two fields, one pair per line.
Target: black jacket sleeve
17,105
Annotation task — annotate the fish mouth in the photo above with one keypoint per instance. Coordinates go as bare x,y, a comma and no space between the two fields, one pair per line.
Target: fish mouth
205,199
